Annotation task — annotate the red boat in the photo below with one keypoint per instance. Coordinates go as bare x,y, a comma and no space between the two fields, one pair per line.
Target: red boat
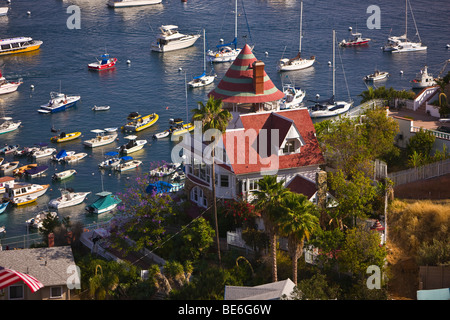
106,62
357,40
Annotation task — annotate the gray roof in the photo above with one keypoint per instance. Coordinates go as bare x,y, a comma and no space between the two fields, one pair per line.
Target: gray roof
269,291
48,265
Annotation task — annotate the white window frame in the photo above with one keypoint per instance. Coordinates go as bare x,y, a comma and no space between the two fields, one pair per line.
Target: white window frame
16,285
56,297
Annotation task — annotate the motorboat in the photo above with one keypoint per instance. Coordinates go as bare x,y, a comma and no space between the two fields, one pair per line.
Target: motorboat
170,39
111,160
100,139
423,79
61,155
355,40
105,62
26,151
111,130
376,76
18,45
8,149
43,152
101,108
38,219
162,134
8,167
296,63
203,79
76,157
21,170
68,198
8,86
8,125
133,115
293,97
127,163
165,170
178,127
177,176
24,200
4,11
22,191
64,137
3,206
36,171
131,3
141,123
106,202
59,102
133,145
64,174
164,187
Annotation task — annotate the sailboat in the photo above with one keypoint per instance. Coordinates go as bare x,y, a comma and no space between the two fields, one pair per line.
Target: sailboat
296,63
203,79
330,107
401,43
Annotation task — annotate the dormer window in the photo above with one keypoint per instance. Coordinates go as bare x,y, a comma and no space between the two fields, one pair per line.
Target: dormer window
289,147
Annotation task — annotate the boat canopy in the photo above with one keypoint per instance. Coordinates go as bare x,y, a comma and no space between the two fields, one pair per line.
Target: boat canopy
159,187
98,131
111,153
201,76
61,154
105,202
234,42
127,158
130,137
36,169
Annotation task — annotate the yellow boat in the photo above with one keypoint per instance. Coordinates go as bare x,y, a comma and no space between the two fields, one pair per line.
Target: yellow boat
18,45
141,123
63,137
21,170
188,127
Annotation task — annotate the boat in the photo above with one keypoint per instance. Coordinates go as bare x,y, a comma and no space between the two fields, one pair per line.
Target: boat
162,134
21,170
3,206
132,146
105,62
177,176
8,149
141,123
127,163
111,160
171,39
8,167
330,107
106,202
4,11
23,201
38,219
131,3
76,157
165,170
355,40
376,76
59,102
18,45
178,127
68,198
64,174
43,152
36,171
8,86
22,192
296,63
423,79
8,125
401,43
133,115
63,137
164,187
111,130
61,155
293,97
100,139
203,79
100,108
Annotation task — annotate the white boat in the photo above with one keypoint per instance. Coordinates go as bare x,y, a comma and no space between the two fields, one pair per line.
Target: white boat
133,145
59,102
43,152
101,108
296,63
203,79
171,39
293,97
423,79
76,157
111,160
229,51
8,86
131,3
127,163
2,229
63,174
23,192
36,221
402,43
68,198
61,155
165,170
8,167
18,45
36,171
355,40
8,149
376,76
4,11
162,134
8,125
100,139
330,107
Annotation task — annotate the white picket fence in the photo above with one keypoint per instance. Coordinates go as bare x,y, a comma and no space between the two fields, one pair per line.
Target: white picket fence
420,173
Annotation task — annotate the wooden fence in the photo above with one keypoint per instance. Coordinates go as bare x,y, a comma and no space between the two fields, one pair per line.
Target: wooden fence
420,173
434,277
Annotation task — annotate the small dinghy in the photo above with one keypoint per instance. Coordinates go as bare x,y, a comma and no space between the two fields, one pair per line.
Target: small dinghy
101,108
76,157
63,174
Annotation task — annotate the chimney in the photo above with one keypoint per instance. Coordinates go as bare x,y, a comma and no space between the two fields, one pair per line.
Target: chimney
258,77
51,240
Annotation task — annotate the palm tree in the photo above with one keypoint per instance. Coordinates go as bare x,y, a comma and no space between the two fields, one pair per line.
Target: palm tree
267,201
213,116
299,219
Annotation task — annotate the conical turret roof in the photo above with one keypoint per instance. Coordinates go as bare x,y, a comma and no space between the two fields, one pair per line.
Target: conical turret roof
237,85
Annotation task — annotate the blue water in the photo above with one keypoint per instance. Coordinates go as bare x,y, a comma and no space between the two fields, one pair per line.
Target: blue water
155,82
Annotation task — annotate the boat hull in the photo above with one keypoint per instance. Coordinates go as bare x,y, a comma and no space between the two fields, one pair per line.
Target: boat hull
72,102
331,113
9,87
77,198
187,42
10,128
218,57
136,127
33,47
136,3
98,67
296,65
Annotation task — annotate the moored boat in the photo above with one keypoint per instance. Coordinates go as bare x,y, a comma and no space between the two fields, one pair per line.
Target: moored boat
68,198
3,206
64,174
355,40
37,220
8,86
100,108
61,155
59,102
170,39
43,152
21,191
8,125
8,167
132,146
141,123
376,76
127,163
76,157
18,45
165,170
63,137
423,79
100,139
293,97
21,170
106,202
36,171
8,149
131,3
105,62
111,160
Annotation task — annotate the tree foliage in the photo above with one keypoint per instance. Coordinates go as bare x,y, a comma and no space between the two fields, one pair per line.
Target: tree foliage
386,94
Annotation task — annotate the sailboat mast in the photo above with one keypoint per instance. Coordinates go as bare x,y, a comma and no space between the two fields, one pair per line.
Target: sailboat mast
406,20
334,54
185,91
204,49
235,21
301,18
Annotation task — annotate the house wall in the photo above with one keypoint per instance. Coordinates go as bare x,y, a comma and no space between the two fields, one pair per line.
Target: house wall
41,294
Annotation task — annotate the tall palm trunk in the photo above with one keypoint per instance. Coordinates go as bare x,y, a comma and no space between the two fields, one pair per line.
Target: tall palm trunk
273,245
295,250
